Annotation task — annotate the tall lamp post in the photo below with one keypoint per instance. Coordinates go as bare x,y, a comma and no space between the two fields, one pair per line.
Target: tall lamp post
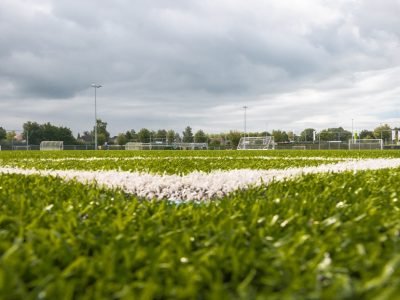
244,140
95,86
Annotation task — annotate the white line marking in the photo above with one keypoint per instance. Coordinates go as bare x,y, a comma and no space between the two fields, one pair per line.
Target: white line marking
199,185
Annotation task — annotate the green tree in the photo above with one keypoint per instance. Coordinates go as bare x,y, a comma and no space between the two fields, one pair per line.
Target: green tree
122,139
291,136
177,138
34,132
131,136
10,136
383,132
234,138
144,135
161,135
307,134
200,137
87,137
280,136
101,138
170,136
102,134
3,133
366,134
37,133
215,142
187,135
335,134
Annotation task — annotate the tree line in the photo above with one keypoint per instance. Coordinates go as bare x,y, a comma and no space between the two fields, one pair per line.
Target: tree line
33,133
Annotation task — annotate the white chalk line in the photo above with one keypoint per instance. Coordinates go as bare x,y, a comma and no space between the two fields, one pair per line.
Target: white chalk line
199,185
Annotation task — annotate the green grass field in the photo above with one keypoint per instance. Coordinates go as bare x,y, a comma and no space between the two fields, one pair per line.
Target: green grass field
321,236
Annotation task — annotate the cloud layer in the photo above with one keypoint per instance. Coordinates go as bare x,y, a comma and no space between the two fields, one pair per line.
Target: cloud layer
167,64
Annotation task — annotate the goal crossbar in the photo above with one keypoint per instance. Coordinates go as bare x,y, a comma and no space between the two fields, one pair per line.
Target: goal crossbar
365,144
51,145
256,143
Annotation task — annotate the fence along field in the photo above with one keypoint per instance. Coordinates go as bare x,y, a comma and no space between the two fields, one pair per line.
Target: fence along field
321,235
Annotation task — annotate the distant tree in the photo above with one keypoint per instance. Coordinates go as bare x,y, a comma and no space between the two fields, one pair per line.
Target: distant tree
3,133
383,132
131,135
200,137
335,134
35,132
187,135
291,136
170,136
144,135
153,136
86,137
215,142
121,139
101,138
307,134
263,133
177,138
366,134
128,135
161,135
280,136
102,134
10,136
234,138
47,132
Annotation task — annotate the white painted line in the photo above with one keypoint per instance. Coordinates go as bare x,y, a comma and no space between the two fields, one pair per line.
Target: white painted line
199,185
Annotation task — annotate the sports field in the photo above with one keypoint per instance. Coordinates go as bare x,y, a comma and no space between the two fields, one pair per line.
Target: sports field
200,225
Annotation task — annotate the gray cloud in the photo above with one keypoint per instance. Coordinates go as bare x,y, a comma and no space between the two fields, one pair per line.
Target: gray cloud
173,63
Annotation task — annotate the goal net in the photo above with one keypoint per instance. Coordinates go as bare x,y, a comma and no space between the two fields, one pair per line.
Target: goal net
335,145
256,143
366,144
190,146
22,147
51,145
136,146
299,147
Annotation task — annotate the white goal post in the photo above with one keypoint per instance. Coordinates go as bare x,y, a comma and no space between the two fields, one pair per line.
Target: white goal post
51,145
22,147
366,144
299,147
256,143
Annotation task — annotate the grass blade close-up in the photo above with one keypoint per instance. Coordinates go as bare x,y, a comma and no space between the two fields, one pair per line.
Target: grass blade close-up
318,235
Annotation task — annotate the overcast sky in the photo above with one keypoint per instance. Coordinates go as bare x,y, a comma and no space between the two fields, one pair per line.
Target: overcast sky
172,63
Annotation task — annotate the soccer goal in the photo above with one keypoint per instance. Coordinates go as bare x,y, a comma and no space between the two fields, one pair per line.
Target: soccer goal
299,147
366,144
22,147
51,145
256,143
190,146
136,146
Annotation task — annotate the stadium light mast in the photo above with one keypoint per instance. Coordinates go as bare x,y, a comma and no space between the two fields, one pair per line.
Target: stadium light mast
245,109
95,86
352,130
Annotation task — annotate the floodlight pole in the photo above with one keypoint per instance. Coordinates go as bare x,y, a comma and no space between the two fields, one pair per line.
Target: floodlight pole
95,86
352,130
244,140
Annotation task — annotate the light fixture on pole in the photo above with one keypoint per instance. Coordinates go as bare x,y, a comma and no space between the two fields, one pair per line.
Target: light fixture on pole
95,86
244,140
